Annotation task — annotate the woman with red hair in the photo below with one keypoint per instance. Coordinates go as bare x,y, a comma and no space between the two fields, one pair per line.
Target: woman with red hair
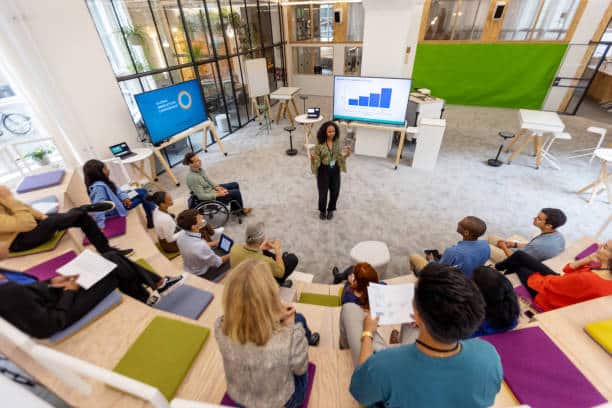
356,287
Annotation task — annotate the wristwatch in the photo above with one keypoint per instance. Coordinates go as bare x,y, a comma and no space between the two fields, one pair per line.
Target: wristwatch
366,333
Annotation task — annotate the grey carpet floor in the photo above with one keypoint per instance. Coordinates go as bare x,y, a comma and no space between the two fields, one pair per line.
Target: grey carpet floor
408,209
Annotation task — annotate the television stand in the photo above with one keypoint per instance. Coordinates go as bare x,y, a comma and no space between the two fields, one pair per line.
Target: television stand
203,127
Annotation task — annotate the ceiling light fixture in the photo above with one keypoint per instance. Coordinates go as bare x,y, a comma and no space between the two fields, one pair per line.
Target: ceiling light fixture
308,2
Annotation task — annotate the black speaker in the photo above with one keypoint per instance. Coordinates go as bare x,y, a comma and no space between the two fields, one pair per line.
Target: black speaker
337,16
499,11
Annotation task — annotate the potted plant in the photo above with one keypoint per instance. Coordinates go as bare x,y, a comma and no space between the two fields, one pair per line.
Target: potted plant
134,35
40,155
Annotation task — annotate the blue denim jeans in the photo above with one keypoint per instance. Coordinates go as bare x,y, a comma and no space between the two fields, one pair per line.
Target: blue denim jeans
141,199
299,318
298,396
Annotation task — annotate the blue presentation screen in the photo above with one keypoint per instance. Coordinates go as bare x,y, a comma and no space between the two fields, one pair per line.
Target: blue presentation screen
170,110
368,99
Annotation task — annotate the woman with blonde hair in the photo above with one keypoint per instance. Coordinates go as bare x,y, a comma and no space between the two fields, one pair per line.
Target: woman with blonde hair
264,349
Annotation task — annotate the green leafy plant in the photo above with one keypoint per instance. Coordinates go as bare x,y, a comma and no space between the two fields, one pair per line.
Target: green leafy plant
135,35
39,154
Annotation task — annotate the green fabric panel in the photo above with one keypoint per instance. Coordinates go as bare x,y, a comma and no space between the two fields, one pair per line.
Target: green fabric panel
145,265
47,246
169,255
162,355
320,300
500,75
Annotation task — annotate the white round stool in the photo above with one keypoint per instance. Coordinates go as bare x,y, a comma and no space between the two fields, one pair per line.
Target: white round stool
376,253
602,182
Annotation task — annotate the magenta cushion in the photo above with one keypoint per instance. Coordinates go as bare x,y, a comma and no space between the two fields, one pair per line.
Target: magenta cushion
227,401
38,181
113,227
48,269
524,294
539,373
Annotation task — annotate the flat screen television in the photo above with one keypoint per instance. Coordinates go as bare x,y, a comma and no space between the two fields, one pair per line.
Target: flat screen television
170,110
371,99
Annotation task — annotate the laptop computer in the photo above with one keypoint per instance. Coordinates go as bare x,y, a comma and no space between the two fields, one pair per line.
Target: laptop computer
121,150
225,243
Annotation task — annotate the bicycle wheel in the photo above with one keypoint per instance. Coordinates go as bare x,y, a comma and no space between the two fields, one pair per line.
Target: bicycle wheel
17,123
215,213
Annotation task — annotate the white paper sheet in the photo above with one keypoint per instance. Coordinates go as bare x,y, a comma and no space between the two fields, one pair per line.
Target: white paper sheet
393,303
90,267
302,277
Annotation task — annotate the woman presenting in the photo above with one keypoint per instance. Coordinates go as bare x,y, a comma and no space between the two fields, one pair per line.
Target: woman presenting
327,160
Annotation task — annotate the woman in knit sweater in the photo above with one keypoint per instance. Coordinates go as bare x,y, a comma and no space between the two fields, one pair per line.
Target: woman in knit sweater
263,342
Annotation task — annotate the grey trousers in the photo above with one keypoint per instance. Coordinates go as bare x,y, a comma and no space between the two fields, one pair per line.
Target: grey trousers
351,327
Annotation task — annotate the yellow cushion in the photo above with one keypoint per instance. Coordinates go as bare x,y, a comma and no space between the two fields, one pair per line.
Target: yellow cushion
601,332
50,245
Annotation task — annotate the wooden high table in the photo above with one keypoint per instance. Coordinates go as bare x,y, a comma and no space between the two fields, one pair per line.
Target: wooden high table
284,95
533,126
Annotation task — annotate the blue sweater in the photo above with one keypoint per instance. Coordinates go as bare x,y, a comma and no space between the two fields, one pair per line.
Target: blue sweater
100,191
467,255
405,377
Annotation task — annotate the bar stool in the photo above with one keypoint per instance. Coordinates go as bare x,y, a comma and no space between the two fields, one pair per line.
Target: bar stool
496,162
303,98
601,183
591,150
546,147
291,151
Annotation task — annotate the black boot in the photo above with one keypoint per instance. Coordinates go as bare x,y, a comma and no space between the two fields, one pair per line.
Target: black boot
149,221
322,215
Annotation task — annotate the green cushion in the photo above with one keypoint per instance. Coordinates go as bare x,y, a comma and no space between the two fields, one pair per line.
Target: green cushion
169,255
320,300
145,265
50,245
162,355
340,291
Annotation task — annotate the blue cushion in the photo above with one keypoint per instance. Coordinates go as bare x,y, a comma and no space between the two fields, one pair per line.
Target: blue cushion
46,200
38,181
185,301
112,300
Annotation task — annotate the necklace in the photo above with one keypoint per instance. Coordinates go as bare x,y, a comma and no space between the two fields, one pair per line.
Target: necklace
427,346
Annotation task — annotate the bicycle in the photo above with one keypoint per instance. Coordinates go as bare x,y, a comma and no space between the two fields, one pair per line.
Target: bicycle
16,123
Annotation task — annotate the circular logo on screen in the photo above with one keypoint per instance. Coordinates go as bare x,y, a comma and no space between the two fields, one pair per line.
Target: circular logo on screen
184,100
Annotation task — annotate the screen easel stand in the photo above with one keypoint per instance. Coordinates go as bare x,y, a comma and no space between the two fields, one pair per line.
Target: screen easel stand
401,129
255,107
203,127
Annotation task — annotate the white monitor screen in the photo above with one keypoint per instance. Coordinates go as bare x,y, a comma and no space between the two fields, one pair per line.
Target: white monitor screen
225,243
368,99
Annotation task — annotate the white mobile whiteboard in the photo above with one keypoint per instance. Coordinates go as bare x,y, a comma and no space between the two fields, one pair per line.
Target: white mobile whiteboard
257,77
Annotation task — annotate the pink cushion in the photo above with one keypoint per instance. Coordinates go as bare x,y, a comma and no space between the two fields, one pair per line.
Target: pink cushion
114,227
227,401
48,269
524,294
539,373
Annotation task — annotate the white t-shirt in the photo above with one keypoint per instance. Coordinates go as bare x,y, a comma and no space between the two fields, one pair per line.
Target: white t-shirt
165,226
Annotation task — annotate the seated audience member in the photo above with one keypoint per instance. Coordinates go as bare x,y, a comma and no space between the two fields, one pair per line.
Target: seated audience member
467,255
101,188
42,309
23,228
263,343
198,255
205,189
548,244
165,225
550,290
256,246
354,302
501,304
441,369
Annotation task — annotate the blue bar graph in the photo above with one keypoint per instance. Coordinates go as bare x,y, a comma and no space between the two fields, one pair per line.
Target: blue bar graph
374,98
353,102
385,97
363,101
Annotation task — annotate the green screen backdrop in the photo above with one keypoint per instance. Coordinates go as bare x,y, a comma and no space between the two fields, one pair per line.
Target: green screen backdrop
502,74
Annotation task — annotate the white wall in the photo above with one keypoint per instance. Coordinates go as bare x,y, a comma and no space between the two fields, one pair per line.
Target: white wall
593,13
72,53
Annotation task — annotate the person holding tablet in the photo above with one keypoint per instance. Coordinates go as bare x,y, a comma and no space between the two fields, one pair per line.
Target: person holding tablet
327,160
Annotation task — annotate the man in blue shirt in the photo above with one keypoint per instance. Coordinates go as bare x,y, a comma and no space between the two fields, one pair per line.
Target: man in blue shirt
467,255
548,244
439,370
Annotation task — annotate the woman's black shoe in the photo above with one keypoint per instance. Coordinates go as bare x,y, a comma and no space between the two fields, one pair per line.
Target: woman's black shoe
337,276
330,215
322,215
314,339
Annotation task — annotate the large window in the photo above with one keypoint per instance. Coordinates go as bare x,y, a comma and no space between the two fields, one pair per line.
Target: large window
520,20
318,23
313,60
155,43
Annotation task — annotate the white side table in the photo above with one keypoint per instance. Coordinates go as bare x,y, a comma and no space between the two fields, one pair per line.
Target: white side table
376,253
138,162
308,123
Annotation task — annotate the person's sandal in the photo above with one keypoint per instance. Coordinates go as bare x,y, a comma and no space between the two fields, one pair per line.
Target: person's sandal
395,337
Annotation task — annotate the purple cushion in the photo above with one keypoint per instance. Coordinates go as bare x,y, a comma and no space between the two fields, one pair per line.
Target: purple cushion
539,373
48,269
227,401
38,181
113,227
524,294
591,249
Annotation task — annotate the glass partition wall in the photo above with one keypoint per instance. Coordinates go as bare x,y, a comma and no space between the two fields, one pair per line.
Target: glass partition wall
155,43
